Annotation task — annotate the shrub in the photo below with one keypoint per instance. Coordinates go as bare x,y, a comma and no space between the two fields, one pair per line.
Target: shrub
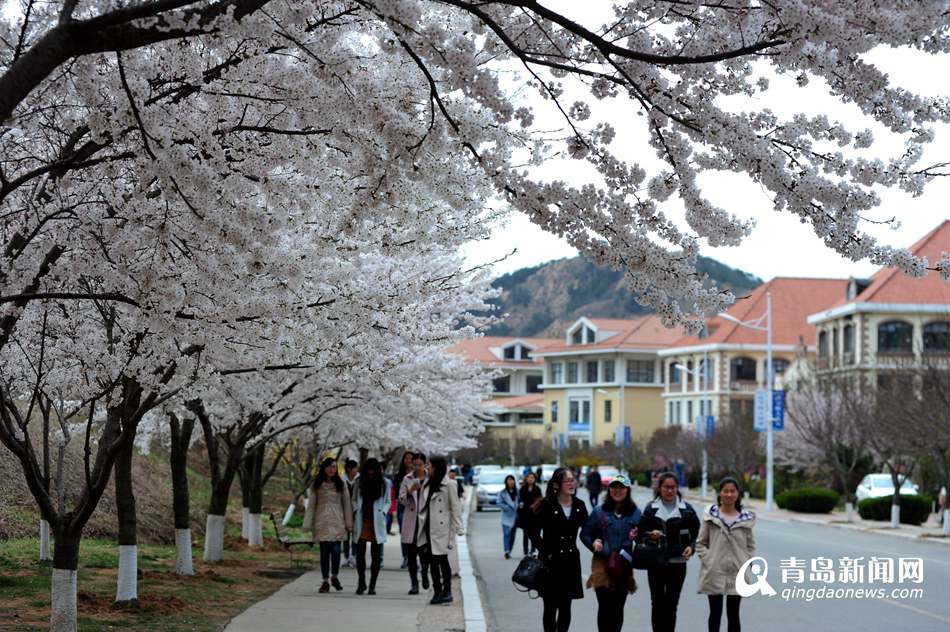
914,509
808,500
757,488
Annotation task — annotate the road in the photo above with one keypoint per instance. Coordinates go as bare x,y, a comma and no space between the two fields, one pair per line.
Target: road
509,611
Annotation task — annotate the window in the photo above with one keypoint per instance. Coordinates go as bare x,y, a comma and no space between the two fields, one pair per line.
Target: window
608,411
574,411
834,341
670,413
510,352
533,383
577,338
848,338
572,372
525,353
675,373
591,371
504,418
640,371
502,384
557,373
589,336
822,344
554,407
895,336
937,337
679,418
779,366
705,373
531,418
742,369
609,375
689,411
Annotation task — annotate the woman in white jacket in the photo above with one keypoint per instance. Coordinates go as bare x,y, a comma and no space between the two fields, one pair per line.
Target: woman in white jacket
724,544
438,523
371,500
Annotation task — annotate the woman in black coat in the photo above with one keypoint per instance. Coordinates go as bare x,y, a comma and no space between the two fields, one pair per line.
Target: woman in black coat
671,522
557,520
528,496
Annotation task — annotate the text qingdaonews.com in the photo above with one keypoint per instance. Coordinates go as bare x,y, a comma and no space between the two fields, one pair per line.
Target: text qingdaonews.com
824,592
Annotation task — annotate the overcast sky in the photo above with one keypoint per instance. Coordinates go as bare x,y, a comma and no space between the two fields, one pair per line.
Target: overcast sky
780,245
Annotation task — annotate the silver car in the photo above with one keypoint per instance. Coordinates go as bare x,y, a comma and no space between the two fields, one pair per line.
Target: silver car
881,486
490,483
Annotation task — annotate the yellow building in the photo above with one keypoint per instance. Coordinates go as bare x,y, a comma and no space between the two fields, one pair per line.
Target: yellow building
890,321
603,380
718,371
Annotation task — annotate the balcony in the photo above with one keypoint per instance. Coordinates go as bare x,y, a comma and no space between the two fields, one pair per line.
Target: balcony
897,359
743,386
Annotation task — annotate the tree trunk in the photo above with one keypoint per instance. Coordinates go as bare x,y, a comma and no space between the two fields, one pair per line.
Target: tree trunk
65,562
127,583
896,511
243,474
181,439
253,476
946,522
45,555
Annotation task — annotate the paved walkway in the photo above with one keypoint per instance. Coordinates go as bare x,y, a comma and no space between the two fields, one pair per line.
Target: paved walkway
298,607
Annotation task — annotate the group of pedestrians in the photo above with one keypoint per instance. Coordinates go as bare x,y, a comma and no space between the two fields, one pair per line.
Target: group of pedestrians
662,537
355,514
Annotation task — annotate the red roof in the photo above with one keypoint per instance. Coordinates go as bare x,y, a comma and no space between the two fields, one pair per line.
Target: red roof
793,300
529,402
645,332
890,285
479,349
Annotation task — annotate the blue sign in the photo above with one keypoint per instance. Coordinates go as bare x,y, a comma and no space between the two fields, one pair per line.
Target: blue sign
710,425
626,437
778,410
761,410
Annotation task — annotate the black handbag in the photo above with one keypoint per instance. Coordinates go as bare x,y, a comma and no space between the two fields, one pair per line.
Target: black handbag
531,574
650,556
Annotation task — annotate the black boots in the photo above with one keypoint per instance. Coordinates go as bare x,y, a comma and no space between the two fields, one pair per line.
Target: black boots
415,589
336,583
440,598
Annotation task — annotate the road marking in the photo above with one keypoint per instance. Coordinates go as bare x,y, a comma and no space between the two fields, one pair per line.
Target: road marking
926,613
471,599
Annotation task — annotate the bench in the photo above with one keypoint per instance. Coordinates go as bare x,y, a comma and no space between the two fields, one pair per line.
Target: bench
286,541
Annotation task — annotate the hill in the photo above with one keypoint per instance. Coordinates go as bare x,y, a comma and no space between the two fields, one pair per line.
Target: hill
543,299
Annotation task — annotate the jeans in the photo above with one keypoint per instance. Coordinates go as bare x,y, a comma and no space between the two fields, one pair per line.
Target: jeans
557,614
329,552
508,537
732,612
441,574
346,548
376,561
665,586
610,609
416,558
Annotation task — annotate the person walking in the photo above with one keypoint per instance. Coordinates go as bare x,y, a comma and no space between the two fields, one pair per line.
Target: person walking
724,544
405,468
438,523
409,498
612,528
670,522
371,499
508,502
594,485
330,518
351,469
558,518
528,497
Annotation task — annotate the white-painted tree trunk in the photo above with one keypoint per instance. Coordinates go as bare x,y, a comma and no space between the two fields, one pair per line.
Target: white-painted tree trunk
255,535
45,555
183,565
62,616
127,586
245,512
214,538
895,516
289,513
946,522
849,511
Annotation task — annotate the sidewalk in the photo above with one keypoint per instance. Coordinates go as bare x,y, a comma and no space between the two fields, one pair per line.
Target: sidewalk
930,531
298,607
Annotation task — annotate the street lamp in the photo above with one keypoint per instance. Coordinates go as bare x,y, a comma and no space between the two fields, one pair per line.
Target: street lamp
767,328
705,397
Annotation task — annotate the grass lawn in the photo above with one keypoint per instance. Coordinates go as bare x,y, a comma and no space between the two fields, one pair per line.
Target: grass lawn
167,602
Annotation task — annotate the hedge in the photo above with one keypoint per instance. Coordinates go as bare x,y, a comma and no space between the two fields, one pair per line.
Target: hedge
915,509
808,500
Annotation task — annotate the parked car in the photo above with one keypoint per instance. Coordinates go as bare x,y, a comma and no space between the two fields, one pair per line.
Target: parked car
490,483
607,473
881,485
478,469
547,470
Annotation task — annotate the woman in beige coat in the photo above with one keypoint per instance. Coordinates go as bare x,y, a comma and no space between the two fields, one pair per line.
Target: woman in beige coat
330,518
438,522
725,542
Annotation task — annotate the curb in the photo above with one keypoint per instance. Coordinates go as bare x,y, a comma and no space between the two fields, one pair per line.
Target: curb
471,599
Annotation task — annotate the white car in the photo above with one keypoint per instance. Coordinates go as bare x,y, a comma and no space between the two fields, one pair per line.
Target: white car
483,468
547,470
880,486
490,483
